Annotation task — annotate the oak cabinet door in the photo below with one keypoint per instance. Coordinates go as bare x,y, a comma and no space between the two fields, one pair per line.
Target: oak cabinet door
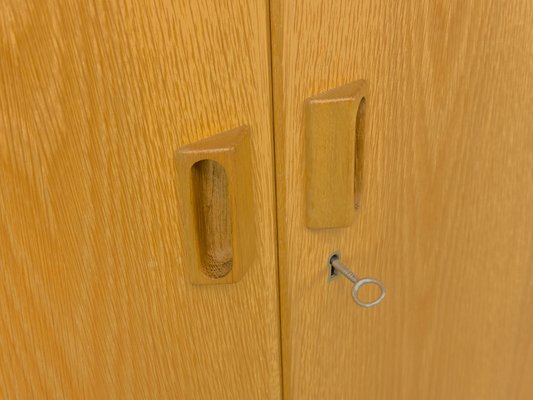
95,99
445,217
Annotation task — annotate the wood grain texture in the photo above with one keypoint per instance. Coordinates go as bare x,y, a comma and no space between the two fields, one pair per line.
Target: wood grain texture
213,234
95,98
446,218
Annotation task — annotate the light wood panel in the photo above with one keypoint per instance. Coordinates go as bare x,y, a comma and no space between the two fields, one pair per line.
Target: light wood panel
95,98
445,218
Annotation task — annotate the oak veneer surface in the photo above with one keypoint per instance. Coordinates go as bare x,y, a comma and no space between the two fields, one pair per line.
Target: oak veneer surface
95,98
446,216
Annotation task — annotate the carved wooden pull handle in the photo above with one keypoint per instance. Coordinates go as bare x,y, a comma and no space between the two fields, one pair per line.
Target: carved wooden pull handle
216,210
334,127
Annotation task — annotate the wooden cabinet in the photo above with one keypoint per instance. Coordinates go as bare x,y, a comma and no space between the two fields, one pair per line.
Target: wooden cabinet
95,99
445,218
96,292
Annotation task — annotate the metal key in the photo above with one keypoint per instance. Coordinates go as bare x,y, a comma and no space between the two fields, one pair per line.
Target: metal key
336,267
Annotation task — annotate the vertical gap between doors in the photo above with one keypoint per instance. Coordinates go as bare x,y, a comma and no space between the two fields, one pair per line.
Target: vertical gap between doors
273,15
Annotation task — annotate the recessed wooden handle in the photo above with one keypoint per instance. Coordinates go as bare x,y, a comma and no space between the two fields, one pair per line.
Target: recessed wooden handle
334,133
216,207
